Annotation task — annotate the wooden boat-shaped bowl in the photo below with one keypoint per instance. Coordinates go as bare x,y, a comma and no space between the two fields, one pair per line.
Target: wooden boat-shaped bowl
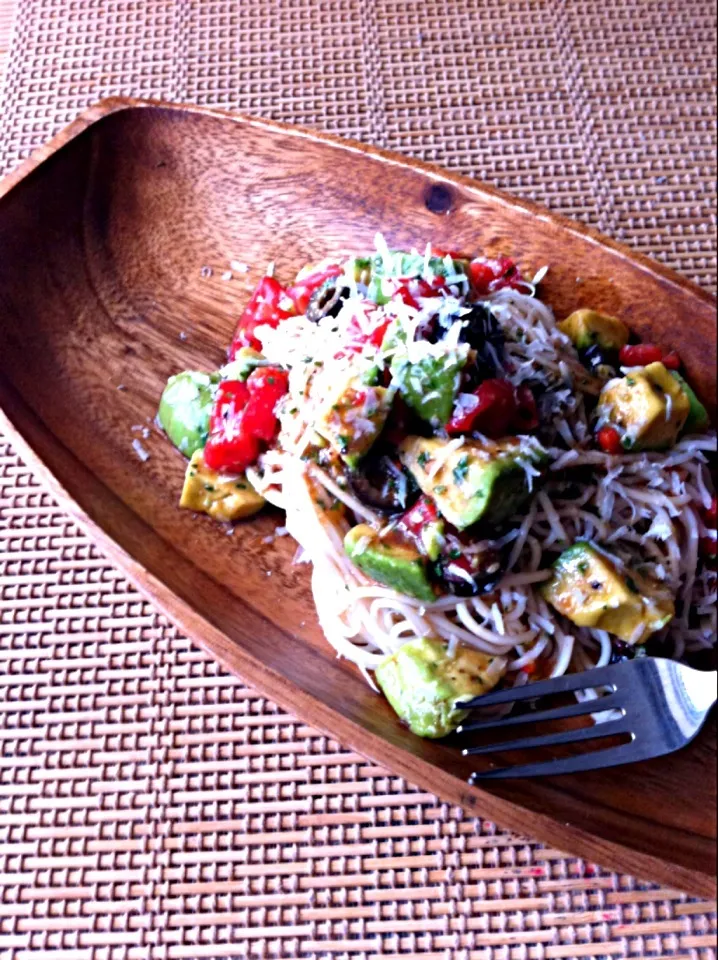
103,237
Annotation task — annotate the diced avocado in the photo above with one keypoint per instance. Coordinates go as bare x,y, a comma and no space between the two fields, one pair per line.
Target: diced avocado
352,417
360,268
697,419
371,375
586,327
245,360
423,683
430,384
432,539
185,408
647,406
590,588
222,497
394,563
379,291
475,481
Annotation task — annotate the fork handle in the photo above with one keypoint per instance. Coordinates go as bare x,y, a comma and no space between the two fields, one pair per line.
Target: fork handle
688,692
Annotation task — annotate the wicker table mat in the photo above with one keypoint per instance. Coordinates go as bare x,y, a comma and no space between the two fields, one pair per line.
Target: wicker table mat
151,806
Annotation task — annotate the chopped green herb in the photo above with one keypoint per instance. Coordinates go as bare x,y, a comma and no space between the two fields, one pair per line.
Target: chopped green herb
440,489
454,554
582,566
321,503
241,486
631,381
461,469
423,459
344,442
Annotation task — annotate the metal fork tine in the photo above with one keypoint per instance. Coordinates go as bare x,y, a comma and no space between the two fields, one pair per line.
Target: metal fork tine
606,729
531,691
609,702
611,757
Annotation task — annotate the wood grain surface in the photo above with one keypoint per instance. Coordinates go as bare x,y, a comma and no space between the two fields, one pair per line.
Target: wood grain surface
103,237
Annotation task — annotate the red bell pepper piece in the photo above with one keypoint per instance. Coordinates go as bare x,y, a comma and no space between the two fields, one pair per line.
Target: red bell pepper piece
609,440
487,275
359,335
243,418
418,287
229,448
527,417
493,414
417,517
266,386
639,354
301,291
270,303
671,361
709,545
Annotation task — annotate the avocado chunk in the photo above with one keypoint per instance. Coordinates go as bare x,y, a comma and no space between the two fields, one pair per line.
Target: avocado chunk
220,496
423,683
647,406
586,327
697,419
590,588
392,562
351,417
245,360
474,481
430,383
185,407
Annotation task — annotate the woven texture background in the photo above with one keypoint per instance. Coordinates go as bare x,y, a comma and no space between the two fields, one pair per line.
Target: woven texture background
151,806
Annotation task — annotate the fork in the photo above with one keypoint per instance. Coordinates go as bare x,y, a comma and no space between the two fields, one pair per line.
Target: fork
661,705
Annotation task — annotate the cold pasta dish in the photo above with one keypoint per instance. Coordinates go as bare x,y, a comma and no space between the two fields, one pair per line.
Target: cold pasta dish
487,494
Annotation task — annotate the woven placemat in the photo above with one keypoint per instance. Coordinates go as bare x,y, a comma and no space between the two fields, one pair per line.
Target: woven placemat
151,806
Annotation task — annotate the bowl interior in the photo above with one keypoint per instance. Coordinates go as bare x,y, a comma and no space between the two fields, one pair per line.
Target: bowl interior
104,293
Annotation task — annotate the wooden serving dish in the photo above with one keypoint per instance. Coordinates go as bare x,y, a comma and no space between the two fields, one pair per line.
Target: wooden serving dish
103,237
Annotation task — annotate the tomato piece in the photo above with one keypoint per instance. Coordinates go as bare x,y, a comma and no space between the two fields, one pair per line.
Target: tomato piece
301,292
417,517
639,354
229,448
418,287
266,385
358,336
708,546
671,361
710,516
609,440
492,414
270,303
527,417
487,275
